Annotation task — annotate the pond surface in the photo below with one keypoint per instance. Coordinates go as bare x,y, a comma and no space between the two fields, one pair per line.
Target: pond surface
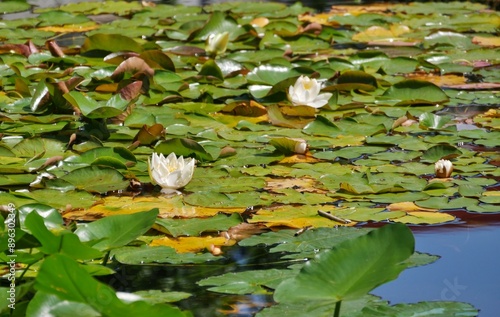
467,270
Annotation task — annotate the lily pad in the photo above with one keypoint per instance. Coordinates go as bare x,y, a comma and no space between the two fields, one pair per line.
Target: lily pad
414,92
96,179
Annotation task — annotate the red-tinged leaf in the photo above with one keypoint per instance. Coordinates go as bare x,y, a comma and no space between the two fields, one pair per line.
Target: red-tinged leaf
131,91
149,134
158,60
133,65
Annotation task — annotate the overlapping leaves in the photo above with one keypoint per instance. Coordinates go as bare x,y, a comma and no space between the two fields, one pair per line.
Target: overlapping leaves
79,119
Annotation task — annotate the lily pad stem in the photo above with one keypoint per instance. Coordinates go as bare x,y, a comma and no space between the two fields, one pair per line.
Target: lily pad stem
106,258
337,309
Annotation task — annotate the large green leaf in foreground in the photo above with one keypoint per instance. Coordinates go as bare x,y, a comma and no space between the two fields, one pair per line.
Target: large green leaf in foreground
61,276
116,231
351,269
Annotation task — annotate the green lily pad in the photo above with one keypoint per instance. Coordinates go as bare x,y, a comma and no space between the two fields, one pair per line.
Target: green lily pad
195,226
248,282
96,179
159,254
102,44
412,92
13,6
442,151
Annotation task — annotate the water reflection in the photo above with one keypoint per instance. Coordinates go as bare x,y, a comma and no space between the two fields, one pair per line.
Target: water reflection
184,278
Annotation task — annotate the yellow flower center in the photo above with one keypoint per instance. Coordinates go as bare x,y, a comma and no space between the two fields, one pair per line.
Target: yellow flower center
308,84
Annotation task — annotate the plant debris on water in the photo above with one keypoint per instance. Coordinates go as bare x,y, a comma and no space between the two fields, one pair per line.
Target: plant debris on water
303,126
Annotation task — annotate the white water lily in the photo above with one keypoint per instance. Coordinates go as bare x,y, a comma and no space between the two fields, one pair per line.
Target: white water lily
305,92
300,147
217,43
170,172
443,168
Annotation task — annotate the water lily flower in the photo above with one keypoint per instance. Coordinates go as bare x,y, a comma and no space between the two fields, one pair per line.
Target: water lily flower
170,172
305,92
217,43
300,147
443,168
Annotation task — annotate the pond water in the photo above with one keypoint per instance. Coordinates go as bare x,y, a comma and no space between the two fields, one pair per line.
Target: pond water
467,270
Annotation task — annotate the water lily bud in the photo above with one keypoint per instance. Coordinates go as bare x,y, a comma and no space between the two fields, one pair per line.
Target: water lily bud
300,147
170,172
305,92
217,43
443,168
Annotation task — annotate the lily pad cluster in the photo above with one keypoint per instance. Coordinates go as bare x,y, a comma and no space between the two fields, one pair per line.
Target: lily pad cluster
86,100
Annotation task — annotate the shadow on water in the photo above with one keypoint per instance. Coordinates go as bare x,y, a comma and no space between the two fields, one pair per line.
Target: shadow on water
184,278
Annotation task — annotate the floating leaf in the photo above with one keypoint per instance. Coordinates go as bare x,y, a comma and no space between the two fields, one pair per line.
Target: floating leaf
184,147
102,44
195,226
432,121
191,244
158,254
442,151
96,179
248,282
411,92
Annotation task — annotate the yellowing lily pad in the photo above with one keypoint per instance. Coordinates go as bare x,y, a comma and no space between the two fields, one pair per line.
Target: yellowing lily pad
192,244
408,206
423,217
486,41
296,217
70,28
169,207
378,33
